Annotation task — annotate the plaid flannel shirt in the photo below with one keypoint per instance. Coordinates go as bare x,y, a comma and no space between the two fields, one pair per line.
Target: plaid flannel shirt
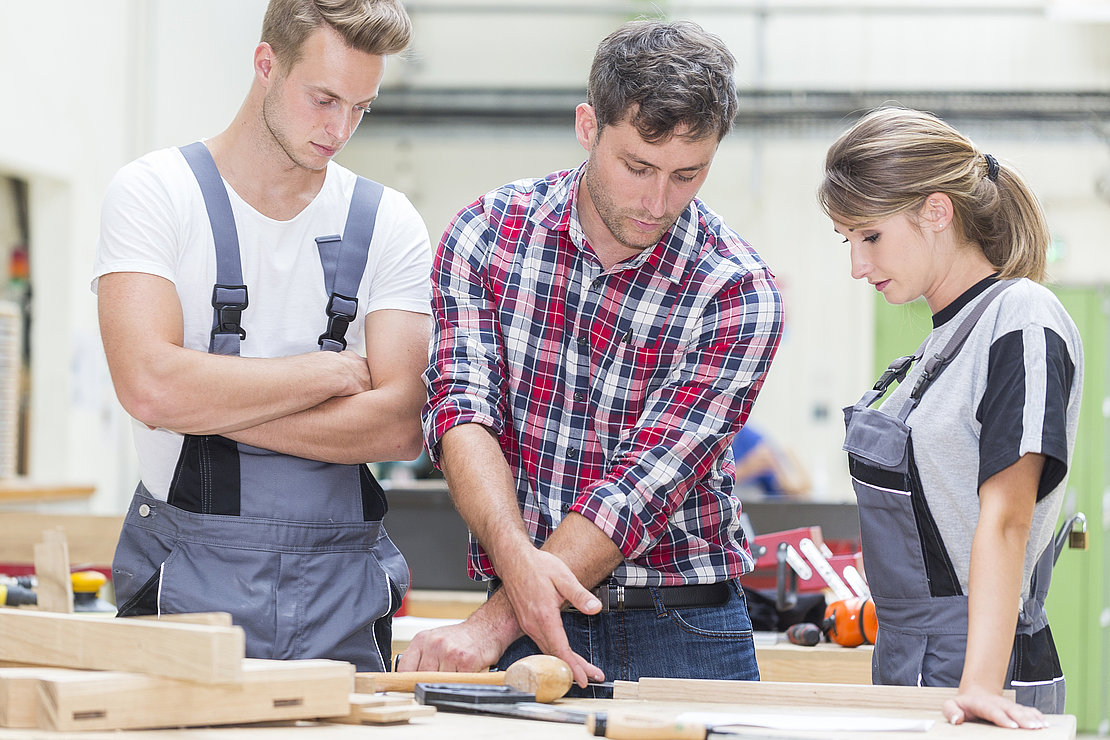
615,394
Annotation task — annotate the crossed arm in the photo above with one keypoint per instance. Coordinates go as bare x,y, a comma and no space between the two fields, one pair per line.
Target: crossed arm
296,405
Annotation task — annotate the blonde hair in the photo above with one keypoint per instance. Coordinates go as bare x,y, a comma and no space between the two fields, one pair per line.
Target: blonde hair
370,26
893,158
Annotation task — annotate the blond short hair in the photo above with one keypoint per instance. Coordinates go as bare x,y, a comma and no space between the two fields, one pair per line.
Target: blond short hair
371,26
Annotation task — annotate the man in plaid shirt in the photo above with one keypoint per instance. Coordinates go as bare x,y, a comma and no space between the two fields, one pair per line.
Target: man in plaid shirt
600,337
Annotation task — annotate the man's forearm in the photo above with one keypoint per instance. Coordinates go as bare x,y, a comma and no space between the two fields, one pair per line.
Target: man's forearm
482,487
374,426
586,550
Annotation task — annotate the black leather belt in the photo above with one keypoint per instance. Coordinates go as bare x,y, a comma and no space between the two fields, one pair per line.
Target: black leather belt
616,598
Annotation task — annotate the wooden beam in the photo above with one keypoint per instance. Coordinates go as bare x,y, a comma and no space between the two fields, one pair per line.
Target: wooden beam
626,690
187,651
19,689
214,619
928,698
271,690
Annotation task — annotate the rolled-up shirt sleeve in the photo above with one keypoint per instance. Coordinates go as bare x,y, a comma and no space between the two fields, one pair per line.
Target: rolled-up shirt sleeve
465,376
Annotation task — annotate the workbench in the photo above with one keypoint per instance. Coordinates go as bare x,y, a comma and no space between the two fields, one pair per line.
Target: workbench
778,660
464,726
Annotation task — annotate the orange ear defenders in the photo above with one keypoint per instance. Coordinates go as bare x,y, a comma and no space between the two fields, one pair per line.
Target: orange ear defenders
851,622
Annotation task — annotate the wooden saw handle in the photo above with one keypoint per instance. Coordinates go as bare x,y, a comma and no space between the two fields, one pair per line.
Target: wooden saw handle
626,725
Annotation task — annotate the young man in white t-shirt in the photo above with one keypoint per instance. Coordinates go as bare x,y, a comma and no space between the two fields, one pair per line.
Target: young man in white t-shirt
252,442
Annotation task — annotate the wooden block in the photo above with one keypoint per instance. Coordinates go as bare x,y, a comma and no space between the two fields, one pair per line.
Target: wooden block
213,619
626,690
443,604
394,715
271,690
19,694
382,709
821,663
191,652
379,700
53,586
928,698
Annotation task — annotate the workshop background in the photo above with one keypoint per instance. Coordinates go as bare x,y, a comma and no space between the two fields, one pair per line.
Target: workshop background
486,95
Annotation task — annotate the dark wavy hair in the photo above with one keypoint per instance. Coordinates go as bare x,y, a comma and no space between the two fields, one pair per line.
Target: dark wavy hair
662,76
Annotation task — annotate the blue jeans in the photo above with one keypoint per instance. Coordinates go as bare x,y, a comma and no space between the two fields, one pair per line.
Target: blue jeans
686,642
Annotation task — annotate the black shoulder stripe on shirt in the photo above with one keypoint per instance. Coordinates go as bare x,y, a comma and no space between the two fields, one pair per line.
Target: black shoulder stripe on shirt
1061,375
1002,409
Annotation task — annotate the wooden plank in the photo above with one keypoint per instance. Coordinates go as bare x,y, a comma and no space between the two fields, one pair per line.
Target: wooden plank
821,663
91,539
187,651
19,694
796,694
270,690
52,583
213,619
626,690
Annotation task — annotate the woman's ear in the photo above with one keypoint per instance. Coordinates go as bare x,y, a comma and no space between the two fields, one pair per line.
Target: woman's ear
937,212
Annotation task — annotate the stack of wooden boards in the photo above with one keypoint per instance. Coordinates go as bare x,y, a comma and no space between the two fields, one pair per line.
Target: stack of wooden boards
67,672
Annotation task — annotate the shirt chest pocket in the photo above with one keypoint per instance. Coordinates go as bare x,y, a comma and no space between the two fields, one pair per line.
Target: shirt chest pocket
633,371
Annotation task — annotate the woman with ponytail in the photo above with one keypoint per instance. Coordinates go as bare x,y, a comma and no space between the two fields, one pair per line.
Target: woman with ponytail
961,471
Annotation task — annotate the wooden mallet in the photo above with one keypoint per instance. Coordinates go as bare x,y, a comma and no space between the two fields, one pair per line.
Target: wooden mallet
546,676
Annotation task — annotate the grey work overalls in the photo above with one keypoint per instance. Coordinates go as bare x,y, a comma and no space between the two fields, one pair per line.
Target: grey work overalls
919,602
294,549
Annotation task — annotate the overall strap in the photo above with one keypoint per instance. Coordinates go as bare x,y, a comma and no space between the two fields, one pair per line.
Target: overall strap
229,294
344,262
936,364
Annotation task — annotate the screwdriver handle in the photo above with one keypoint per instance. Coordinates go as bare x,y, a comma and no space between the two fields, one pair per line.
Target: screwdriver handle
626,725
803,633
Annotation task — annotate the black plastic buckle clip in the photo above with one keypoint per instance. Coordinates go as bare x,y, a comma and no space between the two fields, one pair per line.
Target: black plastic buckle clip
229,301
341,312
932,369
896,371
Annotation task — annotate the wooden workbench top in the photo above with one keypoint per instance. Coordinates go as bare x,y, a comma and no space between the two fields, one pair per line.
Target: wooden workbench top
465,727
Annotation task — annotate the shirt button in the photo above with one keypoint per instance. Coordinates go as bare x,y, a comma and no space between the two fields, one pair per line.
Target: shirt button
583,340
572,453
579,396
144,510
565,508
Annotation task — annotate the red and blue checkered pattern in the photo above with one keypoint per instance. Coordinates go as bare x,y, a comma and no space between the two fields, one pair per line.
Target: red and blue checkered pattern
614,394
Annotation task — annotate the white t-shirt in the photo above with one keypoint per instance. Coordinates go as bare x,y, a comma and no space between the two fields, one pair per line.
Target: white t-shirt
154,221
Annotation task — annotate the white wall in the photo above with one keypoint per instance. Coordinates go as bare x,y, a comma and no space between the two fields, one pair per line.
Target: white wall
86,88
89,86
